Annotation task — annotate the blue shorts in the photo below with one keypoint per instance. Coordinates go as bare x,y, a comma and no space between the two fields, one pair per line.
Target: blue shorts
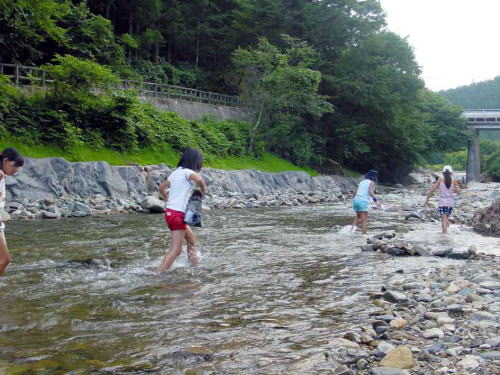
443,210
360,205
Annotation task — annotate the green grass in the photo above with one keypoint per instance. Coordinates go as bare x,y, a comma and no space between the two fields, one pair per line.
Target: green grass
85,153
267,163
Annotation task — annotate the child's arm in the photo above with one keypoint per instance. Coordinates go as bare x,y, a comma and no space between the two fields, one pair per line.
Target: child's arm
371,190
163,189
457,186
429,194
196,178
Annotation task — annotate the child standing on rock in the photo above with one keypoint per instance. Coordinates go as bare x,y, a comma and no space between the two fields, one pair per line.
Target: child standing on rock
447,188
10,162
176,191
363,196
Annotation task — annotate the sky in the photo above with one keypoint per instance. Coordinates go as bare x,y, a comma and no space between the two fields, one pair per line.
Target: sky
456,42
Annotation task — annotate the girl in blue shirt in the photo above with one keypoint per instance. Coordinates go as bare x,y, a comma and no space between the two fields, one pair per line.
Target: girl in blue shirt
363,196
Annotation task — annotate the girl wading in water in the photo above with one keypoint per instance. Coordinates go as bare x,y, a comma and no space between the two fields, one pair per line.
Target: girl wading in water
363,196
176,191
447,188
10,162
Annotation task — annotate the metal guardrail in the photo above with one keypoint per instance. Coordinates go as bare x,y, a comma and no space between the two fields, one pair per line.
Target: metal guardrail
29,75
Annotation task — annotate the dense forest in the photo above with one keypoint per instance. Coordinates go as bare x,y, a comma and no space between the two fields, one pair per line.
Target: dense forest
324,78
480,95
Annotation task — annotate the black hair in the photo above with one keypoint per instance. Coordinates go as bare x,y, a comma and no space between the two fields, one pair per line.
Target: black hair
192,159
13,155
447,178
372,175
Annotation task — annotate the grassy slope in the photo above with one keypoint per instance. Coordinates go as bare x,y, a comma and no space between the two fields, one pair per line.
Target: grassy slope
267,163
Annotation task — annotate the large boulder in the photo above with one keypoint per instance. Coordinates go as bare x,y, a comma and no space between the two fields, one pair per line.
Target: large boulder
152,204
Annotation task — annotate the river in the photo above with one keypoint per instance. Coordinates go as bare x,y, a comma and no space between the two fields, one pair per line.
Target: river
274,286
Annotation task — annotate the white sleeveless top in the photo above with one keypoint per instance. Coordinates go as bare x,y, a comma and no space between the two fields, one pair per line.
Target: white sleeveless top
2,190
363,192
2,197
180,189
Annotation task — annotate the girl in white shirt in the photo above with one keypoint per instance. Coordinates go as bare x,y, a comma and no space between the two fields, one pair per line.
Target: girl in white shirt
10,161
176,191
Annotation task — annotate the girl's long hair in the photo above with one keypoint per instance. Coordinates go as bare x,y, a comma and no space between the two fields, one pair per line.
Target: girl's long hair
13,155
447,178
192,159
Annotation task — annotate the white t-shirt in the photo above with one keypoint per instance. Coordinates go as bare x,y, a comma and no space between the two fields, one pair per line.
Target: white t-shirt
2,196
2,190
180,189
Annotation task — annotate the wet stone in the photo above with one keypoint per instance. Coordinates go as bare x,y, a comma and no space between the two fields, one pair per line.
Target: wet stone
442,253
387,371
493,355
395,296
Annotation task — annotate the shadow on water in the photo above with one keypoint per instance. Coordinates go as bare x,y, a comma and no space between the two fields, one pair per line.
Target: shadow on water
274,286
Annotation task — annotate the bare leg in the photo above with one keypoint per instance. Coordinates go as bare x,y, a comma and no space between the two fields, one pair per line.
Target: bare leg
191,247
4,254
364,222
444,223
356,220
175,249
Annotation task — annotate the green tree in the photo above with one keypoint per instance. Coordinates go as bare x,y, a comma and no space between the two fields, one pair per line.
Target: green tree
283,91
26,24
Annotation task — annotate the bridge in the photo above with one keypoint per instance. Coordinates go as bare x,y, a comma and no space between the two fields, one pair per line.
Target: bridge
477,120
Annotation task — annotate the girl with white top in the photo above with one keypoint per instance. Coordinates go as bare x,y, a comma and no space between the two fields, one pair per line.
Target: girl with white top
176,191
10,162
447,188
363,196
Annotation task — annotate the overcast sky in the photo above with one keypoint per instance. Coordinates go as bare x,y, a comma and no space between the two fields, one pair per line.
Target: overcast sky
456,42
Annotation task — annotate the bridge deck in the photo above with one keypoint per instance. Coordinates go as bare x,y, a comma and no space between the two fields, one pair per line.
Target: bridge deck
482,119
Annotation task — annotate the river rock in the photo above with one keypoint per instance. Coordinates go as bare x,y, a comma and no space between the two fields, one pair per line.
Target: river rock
400,357
395,296
398,323
481,316
433,333
339,342
490,284
387,371
442,252
459,255
493,342
383,348
4,215
493,355
470,362
153,204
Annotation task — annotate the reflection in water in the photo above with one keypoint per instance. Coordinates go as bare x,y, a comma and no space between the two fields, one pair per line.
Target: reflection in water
274,286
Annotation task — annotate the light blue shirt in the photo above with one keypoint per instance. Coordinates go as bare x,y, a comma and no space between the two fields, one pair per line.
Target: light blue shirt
363,191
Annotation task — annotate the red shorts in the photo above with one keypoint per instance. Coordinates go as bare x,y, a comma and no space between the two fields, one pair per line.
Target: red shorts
175,219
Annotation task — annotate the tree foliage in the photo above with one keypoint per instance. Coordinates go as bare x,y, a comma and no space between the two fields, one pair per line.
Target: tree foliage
324,78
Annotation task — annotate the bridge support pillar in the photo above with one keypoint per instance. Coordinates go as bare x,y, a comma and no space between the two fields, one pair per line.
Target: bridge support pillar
473,158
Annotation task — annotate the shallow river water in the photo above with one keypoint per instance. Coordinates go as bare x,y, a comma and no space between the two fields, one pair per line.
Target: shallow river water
274,286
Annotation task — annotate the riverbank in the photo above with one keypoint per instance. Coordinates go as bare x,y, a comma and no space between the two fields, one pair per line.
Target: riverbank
53,188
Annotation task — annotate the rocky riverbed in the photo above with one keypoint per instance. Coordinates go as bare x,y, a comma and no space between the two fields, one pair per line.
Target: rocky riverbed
446,321
52,188
280,289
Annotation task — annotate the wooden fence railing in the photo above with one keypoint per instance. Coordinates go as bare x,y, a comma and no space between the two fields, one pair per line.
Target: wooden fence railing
30,75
